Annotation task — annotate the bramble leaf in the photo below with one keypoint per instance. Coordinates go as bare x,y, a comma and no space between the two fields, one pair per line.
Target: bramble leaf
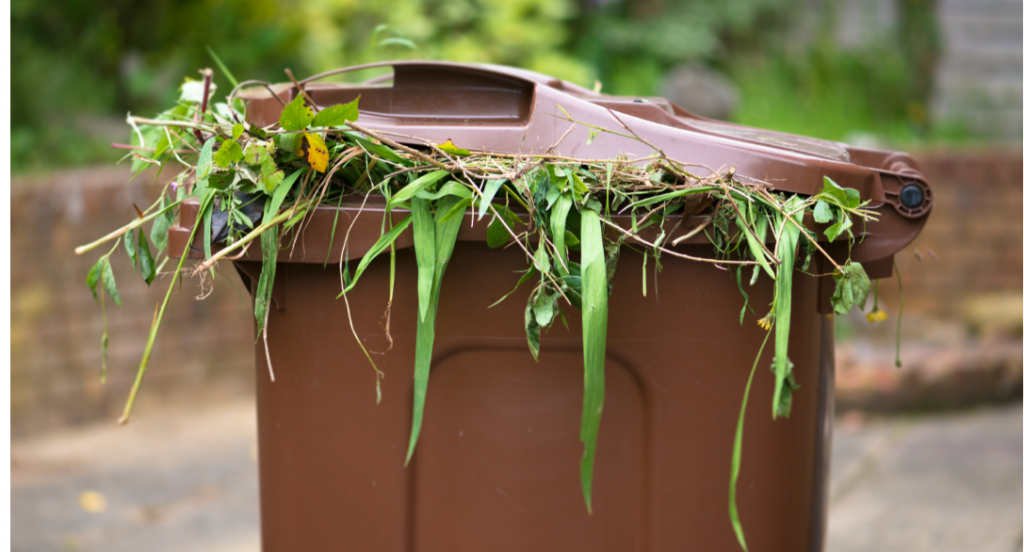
296,115
337,115
313,150
229,152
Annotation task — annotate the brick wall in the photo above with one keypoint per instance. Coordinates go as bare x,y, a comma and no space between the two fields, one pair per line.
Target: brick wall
975,231
205,347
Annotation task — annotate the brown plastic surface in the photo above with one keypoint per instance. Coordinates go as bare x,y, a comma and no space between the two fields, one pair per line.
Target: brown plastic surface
497,467
506,110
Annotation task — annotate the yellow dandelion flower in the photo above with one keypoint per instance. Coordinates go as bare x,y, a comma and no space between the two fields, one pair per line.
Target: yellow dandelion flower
766,322
876,315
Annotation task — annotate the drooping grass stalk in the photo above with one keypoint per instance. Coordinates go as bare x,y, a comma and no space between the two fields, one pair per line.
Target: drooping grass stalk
443,234
737,451
157,319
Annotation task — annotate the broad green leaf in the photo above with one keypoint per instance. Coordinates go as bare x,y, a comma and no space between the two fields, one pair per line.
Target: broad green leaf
270,182
558,216
788,236
445,234
834,231
458,209
490,189
255,154
161,226
296,115
229,152
337,115
544,308
595,333
93,278
541,260
449,188
236,131
205,163
129,247
109,285
281,192
146,263
852,198
415,187
423,243
822,212
860,284
497,234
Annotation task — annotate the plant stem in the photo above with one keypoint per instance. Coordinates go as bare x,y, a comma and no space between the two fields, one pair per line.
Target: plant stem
130,226
158,317
251,235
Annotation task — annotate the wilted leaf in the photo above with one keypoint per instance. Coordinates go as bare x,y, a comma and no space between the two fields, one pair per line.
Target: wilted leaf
296,115
451,149
93,278
314,151
146,263
161,226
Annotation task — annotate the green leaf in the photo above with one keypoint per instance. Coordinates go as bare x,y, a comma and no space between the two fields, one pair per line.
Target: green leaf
449,188
671,195
229,152
445,235
459,207
822,212
270,182
146,263
737,452
852,198
337,115
382,244
595,333
860,284
415,187
423,243
223,68
205,163
237,131
296,115
497,234
93,278
754,245
544,307
109,285
255,154
129,247
558,217
788,236
844,224
532,332
490,189
265,286
161,227
397,41
281,192
541,260
522,280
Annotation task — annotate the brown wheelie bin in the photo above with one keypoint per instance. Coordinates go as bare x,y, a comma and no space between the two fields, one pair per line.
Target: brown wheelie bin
497,464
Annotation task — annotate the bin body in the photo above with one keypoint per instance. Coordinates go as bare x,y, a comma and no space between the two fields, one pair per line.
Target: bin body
497,465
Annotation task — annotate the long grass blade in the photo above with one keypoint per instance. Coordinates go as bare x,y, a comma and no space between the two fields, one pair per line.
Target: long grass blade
595,333
424,241
737,453
268,243
445,234
558,215
788,240
383,243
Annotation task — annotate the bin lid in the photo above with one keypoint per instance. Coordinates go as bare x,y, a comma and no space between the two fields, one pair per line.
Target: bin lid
514,111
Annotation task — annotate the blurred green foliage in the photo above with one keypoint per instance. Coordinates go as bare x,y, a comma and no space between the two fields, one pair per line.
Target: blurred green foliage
79,66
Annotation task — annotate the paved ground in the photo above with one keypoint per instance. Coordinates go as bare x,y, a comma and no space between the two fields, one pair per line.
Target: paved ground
187,481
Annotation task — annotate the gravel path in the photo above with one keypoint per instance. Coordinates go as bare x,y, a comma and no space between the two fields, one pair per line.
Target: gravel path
186,480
